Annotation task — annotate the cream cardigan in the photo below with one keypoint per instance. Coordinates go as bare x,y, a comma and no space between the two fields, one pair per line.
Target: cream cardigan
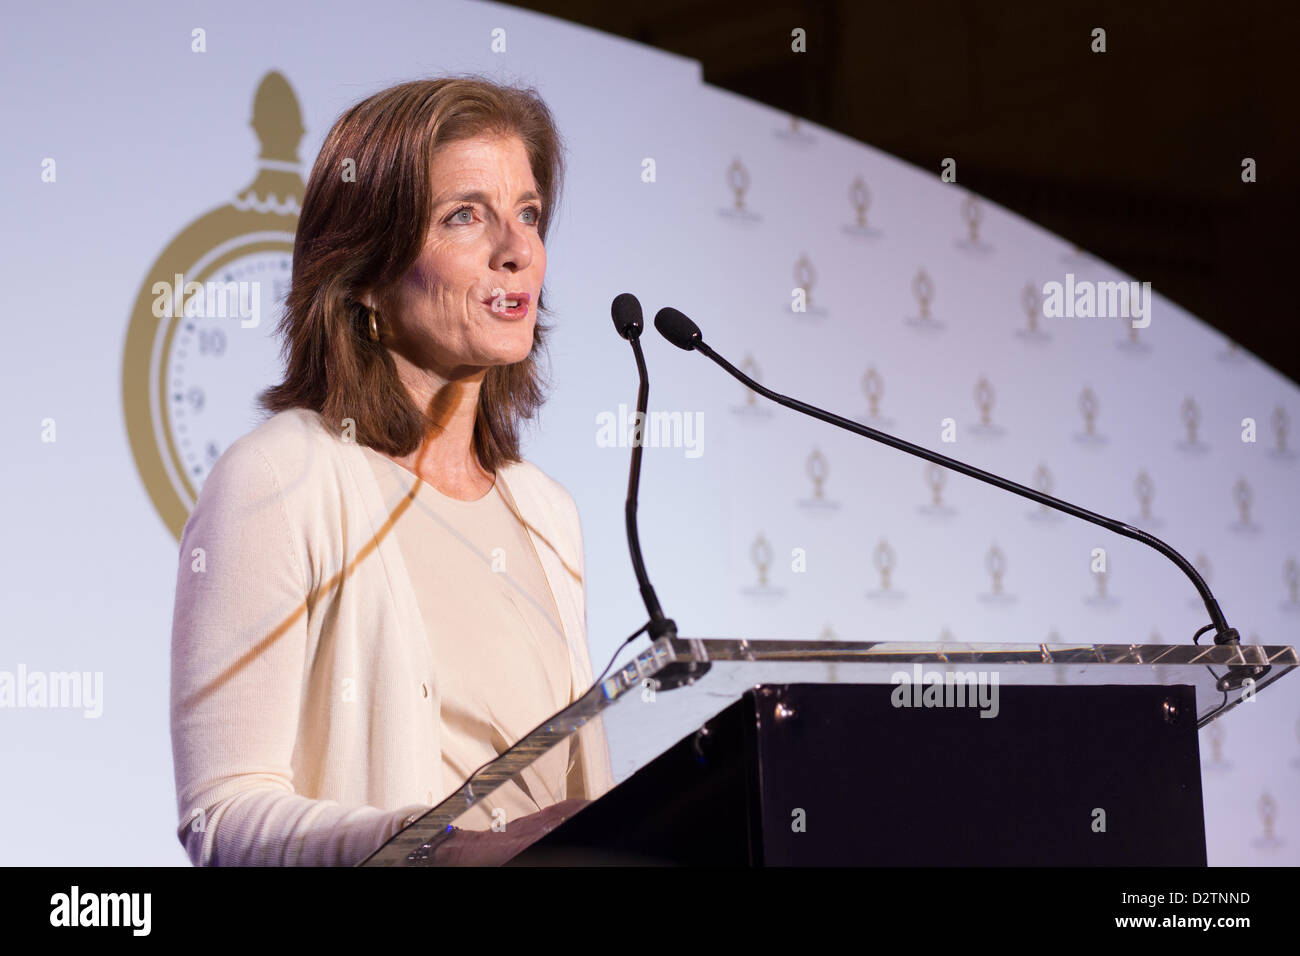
304,693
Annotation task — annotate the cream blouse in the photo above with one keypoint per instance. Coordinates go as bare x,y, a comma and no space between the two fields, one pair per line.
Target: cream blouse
493,625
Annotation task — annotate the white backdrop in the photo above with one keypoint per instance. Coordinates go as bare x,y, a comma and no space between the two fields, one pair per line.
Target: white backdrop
147,135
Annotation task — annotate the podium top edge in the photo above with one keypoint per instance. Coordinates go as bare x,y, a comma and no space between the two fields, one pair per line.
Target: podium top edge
867,652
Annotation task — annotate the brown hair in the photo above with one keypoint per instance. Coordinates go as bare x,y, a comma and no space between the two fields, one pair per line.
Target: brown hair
363,235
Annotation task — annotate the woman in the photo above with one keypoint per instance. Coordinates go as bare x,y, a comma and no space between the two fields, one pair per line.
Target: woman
376,593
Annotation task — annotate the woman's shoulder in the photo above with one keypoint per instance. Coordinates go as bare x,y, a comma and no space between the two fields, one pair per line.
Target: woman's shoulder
285,469
290,424
284,437
280,451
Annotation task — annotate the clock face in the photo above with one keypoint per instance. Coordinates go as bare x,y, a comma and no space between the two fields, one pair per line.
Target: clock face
212,361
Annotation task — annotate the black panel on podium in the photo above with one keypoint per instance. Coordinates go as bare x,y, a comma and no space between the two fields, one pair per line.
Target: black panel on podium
827,775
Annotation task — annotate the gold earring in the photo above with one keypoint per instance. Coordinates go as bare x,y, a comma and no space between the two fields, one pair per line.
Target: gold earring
374,327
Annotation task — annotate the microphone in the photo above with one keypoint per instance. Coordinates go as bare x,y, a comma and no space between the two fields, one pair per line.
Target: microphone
685,334
626,313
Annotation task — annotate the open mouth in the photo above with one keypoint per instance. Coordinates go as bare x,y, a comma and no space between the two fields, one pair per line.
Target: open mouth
511,305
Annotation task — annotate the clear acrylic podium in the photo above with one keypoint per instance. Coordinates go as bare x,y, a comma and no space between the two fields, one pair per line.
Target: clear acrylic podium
848,753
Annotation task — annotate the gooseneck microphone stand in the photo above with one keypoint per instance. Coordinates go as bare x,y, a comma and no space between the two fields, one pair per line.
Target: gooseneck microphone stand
626,313
678,329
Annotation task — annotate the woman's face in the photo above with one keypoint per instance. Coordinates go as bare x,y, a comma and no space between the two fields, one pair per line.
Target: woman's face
452,311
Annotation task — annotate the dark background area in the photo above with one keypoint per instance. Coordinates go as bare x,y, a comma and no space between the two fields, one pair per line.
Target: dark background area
1133,154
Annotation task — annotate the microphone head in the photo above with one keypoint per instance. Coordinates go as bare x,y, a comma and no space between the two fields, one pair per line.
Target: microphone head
626,312
678,329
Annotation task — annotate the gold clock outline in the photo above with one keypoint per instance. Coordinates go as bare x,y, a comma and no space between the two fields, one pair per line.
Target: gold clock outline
261,219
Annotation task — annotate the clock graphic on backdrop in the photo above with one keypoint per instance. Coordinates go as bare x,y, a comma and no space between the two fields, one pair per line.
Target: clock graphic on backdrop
201,342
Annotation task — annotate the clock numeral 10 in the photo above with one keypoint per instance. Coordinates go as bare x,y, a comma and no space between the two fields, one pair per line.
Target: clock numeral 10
212,342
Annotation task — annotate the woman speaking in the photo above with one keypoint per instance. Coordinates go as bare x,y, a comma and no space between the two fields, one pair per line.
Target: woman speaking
376,593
